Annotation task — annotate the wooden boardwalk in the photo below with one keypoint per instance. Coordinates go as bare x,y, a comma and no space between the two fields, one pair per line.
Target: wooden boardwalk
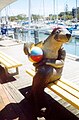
14,105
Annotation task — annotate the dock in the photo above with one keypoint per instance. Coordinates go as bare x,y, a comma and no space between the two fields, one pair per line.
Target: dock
13,104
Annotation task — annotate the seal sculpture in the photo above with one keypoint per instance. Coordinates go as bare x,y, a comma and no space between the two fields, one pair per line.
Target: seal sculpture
49,68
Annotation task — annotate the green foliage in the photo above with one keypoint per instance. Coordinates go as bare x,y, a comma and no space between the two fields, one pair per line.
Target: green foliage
36,17
62,15
18,17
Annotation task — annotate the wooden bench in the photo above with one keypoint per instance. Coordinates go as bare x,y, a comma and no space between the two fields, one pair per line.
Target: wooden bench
9,63
65,89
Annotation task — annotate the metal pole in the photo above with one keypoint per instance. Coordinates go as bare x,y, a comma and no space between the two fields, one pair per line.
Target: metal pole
54,8
43,10
76,11
57,12
75,46
29,35
29,13
76,23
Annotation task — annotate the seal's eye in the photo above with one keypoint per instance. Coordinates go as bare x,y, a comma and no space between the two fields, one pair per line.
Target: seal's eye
57,34
58,31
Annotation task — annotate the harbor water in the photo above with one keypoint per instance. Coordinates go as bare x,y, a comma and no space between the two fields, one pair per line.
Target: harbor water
72,47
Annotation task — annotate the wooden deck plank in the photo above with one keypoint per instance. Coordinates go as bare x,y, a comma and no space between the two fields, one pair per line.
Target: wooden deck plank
16,95
4,98
5,102
10,105
13,102
22,107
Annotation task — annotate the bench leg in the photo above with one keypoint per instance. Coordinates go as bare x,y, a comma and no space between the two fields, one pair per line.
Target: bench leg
11,74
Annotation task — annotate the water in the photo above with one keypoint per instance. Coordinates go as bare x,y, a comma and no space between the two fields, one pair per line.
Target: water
72,47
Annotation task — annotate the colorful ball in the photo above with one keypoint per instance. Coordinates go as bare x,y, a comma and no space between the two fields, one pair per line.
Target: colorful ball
36,54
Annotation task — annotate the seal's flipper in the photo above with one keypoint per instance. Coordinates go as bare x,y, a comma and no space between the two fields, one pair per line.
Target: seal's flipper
39,44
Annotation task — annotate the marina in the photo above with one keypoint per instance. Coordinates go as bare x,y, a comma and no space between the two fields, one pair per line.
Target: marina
15,82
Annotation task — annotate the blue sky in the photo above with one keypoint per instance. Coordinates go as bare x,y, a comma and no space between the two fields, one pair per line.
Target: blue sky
21,6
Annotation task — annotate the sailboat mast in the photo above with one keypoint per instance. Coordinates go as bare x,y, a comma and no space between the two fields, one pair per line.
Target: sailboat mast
43,11
57,11
29,13
54,8
76,11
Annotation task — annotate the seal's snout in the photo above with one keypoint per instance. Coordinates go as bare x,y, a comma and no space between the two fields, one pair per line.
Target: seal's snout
68,36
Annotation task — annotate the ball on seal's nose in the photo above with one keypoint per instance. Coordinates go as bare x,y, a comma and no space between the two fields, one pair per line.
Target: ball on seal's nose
36,54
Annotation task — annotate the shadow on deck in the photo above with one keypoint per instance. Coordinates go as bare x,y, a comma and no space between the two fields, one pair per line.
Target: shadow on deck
24,110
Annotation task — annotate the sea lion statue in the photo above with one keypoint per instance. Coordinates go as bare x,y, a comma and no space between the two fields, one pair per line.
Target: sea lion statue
49,68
